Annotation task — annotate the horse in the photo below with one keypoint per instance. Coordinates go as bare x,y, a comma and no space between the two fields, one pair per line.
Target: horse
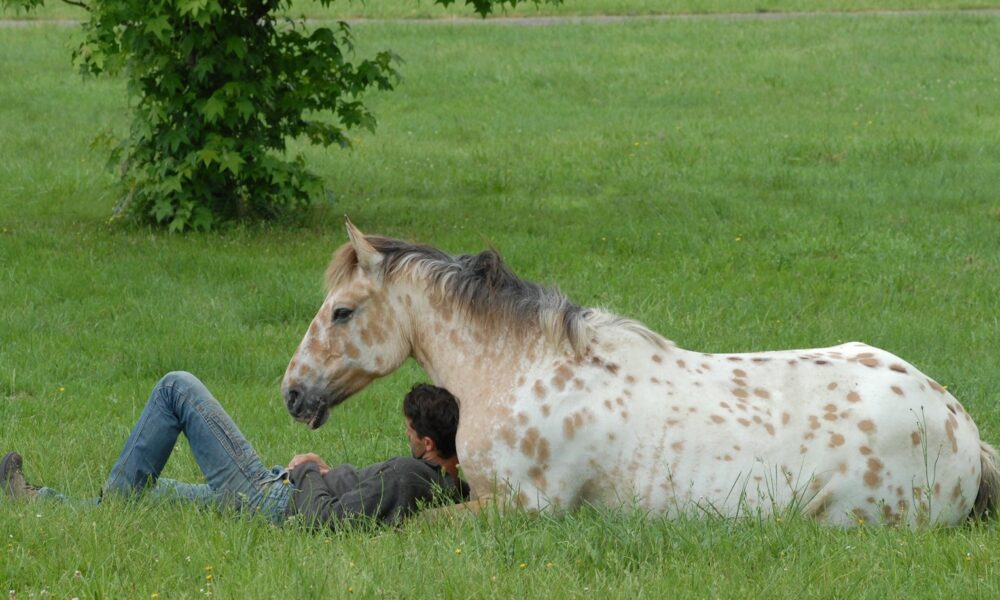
562,405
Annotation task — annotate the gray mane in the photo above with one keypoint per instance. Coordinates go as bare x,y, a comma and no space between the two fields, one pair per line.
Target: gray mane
485,288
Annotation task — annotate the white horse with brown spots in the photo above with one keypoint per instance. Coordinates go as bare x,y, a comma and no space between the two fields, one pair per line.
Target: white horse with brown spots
562,405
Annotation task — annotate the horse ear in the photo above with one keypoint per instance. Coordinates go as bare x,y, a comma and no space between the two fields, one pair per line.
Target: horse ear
368,257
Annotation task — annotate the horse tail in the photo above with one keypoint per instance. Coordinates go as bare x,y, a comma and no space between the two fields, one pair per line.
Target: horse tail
988,498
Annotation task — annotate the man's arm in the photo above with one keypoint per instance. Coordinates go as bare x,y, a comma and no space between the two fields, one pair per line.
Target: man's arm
388,492
472,507
309,457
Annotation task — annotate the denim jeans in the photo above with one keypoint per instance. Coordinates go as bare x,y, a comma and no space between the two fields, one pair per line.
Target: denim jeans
236,478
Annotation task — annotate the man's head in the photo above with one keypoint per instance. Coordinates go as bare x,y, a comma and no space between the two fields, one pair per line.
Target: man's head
431,420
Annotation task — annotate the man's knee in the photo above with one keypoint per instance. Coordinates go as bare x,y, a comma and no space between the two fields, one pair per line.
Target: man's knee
179,379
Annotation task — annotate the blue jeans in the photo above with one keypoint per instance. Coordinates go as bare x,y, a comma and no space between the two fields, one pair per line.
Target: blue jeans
237,480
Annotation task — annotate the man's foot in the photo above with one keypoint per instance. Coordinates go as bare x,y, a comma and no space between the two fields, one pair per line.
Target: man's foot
12,480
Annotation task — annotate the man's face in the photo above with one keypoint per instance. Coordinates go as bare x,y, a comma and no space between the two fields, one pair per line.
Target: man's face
417,447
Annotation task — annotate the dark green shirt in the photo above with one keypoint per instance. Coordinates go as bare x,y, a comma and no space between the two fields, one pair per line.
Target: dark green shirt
388,491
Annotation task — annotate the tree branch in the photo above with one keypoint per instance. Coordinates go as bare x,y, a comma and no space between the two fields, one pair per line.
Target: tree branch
75,3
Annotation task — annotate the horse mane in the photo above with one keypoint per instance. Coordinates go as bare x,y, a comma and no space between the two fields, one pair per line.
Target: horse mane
485,288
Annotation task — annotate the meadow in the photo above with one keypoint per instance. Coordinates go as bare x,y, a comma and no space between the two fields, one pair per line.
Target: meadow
736,185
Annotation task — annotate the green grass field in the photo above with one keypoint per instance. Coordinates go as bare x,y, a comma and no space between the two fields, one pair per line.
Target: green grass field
735,185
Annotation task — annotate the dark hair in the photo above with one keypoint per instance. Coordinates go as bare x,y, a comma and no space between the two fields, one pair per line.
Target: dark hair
433,411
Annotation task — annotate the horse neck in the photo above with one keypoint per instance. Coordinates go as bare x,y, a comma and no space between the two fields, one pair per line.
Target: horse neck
465,356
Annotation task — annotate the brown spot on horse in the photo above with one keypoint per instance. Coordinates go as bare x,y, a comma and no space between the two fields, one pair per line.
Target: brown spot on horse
529,442
872,477
867,426
561,376
569,430
538,477
950,426
508,436
543,450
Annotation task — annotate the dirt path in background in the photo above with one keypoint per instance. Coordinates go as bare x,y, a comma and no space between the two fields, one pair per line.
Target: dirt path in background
560,20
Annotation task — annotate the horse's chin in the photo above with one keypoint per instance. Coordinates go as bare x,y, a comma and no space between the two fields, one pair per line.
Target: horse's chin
319,418
323,412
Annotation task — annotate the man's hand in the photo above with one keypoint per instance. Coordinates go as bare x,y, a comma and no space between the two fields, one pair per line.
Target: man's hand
309,457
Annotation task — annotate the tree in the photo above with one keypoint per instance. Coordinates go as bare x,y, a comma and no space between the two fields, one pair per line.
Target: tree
218,87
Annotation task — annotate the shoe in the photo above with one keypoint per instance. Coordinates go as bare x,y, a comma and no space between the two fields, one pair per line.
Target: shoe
12,480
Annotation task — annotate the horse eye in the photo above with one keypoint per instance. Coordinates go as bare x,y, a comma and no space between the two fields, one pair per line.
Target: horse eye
341,315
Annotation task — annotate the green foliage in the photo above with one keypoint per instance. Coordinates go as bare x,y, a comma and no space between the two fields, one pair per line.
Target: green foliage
218,89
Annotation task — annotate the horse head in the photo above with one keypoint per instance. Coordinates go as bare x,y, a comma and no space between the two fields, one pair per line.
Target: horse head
356,337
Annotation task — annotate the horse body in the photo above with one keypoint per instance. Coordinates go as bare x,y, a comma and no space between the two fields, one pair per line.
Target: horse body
672,430
582,406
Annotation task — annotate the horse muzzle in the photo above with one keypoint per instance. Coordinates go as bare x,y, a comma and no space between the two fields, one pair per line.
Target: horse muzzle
312,409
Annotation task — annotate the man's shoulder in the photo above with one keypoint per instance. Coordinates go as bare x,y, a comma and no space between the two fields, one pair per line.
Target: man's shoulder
406,464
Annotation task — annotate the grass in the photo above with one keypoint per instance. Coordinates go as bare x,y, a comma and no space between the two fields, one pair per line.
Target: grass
424,9
735,185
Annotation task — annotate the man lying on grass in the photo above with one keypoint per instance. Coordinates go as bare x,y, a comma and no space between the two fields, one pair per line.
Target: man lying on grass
237,479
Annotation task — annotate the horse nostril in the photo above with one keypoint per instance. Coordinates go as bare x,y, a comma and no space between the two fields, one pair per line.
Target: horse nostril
292,400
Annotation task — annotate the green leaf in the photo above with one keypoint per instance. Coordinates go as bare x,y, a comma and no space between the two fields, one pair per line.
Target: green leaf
174,138
202,219
231,161
162,209
213,109
236,46
172,184
207,156
159,27
203,67
178,224
245,108
191,7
